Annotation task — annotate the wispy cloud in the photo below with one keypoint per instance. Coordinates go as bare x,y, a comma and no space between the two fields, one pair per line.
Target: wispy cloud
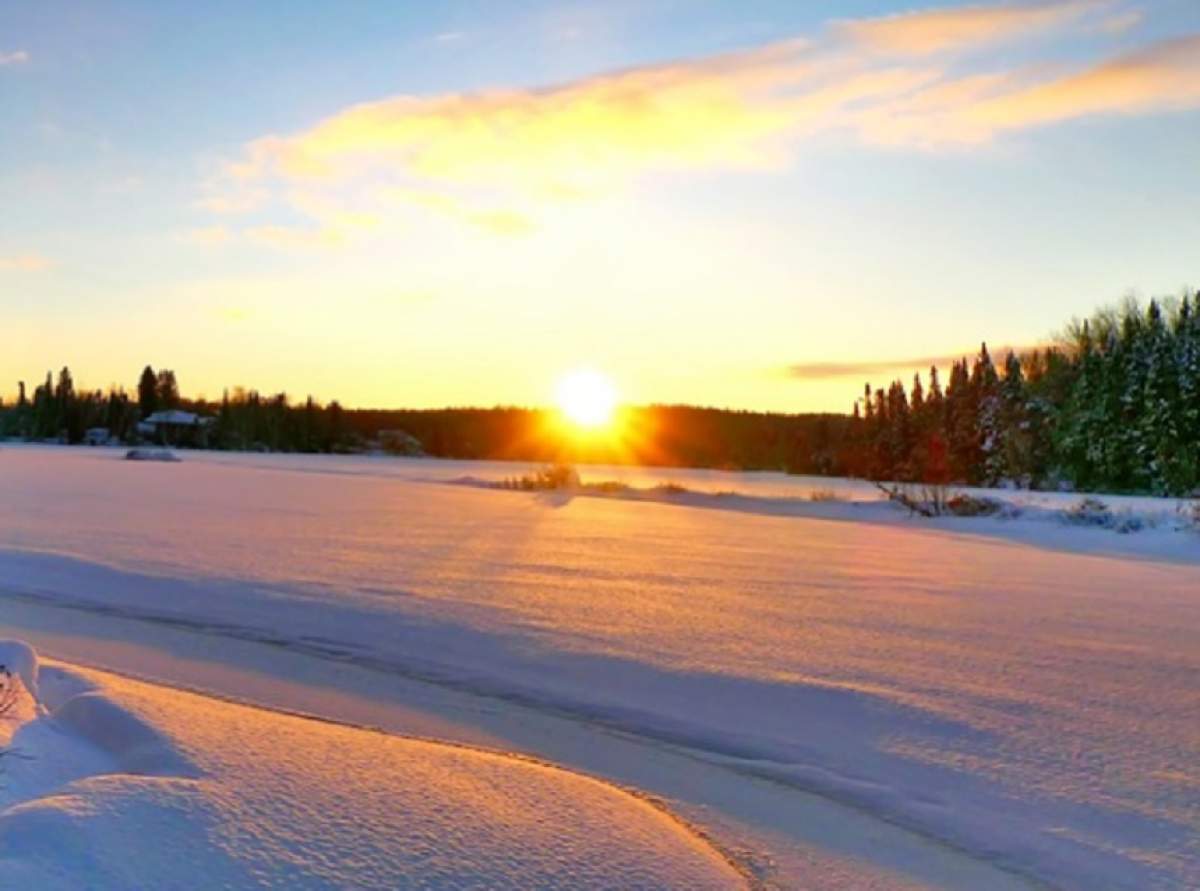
1160,77
935,30
498,221
899,81
207,235
971,109
24,263
695,112
1120,22
14,57
891,367
292,237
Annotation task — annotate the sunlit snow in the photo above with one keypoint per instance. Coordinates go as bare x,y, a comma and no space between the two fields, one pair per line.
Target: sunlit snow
1024,691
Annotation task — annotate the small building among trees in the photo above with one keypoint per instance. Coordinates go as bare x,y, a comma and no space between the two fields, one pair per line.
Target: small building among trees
176,427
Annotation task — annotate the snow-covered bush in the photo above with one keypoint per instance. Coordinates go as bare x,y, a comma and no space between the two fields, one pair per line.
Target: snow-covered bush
19,665
963,505
933,500
1189,514
1094,512
823,495
1089,512
1127,522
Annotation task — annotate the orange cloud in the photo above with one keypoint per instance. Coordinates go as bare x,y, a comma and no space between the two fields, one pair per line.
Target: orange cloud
936,30
703,112
1162,77
486,158
580,138
974,109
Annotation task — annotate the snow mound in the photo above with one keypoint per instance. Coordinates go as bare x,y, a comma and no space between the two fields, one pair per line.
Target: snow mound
135,746
264,799
115,832
151,455
57,684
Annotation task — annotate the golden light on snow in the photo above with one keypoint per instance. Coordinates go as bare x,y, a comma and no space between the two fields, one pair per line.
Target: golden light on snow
587,398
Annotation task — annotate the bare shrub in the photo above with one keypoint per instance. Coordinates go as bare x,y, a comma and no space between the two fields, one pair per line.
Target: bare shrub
925,499
823,495
550,478
1095,513
8,690
607,487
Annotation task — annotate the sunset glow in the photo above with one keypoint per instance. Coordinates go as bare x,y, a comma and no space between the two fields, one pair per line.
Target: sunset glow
744,203
587,398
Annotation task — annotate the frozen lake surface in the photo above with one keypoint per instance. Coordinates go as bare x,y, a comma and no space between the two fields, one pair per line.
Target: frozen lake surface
1019,690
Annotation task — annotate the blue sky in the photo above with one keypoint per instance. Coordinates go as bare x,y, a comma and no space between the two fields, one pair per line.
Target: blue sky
426,204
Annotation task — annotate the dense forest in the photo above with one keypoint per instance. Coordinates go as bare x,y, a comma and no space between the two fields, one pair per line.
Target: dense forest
1113,405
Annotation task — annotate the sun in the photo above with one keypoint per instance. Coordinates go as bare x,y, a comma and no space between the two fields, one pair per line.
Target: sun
587,398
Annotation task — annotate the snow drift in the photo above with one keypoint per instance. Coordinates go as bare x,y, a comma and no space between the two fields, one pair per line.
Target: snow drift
127,785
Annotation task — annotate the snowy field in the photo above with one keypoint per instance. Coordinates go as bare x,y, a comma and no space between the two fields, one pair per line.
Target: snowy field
828,693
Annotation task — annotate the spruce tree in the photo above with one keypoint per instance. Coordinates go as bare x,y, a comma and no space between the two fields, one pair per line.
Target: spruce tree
147,392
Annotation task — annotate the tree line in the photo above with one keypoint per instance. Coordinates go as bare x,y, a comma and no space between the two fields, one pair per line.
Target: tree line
1114,406
57,411
247,420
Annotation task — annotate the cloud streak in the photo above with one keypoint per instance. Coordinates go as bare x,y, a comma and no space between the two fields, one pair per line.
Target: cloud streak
972,109
1161,77
936,30
867,368
15,57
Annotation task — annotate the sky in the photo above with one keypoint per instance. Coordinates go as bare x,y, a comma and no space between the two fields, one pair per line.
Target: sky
756,204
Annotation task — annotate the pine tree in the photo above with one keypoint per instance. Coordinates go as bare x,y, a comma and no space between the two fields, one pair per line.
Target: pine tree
960,423
147,392
1130,455
45,410
977,434
1187,368
69,424
1013,460
1161,449
167,389
899,440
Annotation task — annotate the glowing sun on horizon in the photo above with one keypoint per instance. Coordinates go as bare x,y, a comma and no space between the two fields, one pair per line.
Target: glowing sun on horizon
587,398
